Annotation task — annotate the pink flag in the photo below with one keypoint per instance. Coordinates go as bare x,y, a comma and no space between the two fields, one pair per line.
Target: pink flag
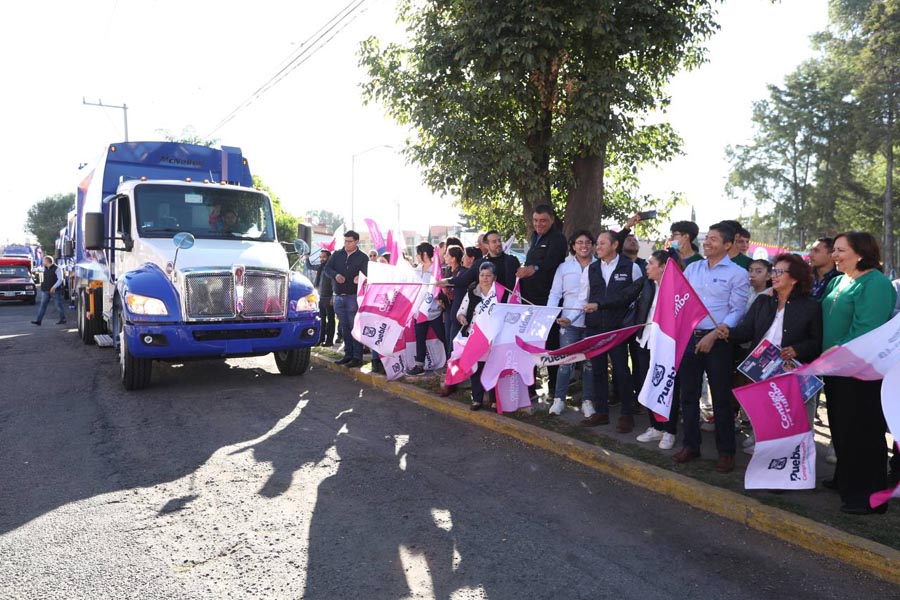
392,247
375,234
784,456
890,406
580,350
430,308
475,347
678,311
532,324
515,296
384,312
511,392
405,353
330,246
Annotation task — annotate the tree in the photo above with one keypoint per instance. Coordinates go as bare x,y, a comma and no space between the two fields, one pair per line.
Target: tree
188,135
519,103
285,223
879,94
331,220
47,217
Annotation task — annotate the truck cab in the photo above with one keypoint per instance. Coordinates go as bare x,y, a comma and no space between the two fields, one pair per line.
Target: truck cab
181,268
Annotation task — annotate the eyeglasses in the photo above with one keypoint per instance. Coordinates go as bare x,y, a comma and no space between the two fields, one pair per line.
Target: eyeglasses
779,272
584,243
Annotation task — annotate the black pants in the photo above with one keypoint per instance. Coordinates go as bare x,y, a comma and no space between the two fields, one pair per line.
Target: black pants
641,359
477,388
437,325
552,344
326,314
718,365
857,431
621,376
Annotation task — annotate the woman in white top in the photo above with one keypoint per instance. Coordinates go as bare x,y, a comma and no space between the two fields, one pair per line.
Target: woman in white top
645,306
481,297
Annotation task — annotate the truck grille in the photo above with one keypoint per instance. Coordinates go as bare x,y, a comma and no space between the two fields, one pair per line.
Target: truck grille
12,287
209,296
213,296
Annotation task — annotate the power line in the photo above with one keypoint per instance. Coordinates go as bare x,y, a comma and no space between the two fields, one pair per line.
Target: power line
307,50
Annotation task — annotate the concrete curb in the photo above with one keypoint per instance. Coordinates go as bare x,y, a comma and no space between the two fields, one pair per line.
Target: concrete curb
878,559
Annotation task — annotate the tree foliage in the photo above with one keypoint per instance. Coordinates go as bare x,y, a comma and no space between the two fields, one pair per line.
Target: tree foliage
46,217
188,135
518,103
822,157
285,223
331,220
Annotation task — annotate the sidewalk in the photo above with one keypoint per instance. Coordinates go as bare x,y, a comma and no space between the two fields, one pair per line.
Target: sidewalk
809,518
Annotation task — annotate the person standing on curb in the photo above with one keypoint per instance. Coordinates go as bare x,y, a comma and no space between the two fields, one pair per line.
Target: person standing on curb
344,268
609,287
567,289
723,287
548,249
51,287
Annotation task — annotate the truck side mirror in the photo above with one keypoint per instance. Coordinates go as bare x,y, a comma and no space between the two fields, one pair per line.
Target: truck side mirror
301,247
94,229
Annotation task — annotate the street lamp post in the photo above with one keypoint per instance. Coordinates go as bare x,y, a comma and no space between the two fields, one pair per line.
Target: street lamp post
353,181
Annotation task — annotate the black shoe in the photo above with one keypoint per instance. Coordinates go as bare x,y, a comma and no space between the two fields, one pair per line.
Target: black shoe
377,367
476,406
863,509
35,322
354,363
61,322
344,360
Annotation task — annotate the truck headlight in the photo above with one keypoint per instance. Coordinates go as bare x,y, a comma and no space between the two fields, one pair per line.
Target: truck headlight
308,303
29,287
145,305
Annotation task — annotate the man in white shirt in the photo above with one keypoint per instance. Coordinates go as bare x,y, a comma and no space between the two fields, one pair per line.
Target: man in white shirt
566,290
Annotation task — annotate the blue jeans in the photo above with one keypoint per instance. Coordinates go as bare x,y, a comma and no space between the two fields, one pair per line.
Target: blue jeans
45,301
345,308
570,335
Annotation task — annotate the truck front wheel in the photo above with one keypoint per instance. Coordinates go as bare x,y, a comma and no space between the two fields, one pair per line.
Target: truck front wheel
292,362
134,372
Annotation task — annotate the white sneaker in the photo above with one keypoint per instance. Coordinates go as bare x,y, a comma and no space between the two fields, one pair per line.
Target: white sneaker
558,407
750,441
651,435
830,456
667,442
587,409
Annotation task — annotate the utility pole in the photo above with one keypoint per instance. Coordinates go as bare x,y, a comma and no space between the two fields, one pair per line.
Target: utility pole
99,102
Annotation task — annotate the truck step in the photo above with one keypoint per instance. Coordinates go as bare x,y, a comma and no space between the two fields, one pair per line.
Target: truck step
104,341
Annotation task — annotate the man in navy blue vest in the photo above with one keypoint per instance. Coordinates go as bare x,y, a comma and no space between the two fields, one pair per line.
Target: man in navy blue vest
609,286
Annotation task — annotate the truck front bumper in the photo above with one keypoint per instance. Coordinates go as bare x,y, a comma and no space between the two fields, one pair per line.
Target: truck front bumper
212,340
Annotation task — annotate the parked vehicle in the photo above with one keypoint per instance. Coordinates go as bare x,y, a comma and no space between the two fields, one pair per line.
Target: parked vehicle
16,281
176,258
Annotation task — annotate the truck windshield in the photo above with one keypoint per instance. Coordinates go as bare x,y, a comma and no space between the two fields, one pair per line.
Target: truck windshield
14,272
206,212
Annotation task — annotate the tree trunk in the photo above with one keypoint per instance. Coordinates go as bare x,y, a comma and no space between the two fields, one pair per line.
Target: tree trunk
584,207
888,251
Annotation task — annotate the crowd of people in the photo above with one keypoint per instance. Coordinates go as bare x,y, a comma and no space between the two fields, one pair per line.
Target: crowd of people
602,285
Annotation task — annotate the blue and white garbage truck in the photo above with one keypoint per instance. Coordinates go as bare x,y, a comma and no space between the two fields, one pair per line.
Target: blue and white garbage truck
176,258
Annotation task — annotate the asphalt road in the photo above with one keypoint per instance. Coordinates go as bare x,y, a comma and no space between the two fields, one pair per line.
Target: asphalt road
226,480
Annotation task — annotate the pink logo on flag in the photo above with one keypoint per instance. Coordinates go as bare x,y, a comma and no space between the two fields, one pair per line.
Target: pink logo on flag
785,453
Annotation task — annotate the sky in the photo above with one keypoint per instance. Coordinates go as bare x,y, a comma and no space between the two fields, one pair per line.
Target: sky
309,137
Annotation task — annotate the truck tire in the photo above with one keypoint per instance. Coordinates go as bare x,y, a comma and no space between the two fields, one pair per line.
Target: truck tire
85,325
292,362
134,372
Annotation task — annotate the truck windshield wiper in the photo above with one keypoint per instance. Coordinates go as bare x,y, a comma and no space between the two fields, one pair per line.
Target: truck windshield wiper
161,230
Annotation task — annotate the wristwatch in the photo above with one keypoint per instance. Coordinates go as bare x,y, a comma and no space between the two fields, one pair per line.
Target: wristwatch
536,268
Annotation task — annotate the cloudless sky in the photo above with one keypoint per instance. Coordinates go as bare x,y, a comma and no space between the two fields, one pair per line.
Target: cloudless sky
189,64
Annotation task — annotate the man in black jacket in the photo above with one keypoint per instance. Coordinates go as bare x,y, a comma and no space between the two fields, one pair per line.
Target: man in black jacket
547,250
609,286
344,268
325,285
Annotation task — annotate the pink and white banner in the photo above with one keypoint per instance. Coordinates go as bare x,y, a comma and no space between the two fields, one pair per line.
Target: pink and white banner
392,248
890,405
388,300
784,457
430,308
330,246
678,311
468,351
532,324
580,350
375,234
404,356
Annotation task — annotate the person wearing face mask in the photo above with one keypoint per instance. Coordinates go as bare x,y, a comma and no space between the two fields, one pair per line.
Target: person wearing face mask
681,240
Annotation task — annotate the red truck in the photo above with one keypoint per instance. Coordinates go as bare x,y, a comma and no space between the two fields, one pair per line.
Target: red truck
16,282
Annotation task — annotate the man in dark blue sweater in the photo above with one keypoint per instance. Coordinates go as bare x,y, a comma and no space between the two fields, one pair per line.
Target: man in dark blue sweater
344,268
